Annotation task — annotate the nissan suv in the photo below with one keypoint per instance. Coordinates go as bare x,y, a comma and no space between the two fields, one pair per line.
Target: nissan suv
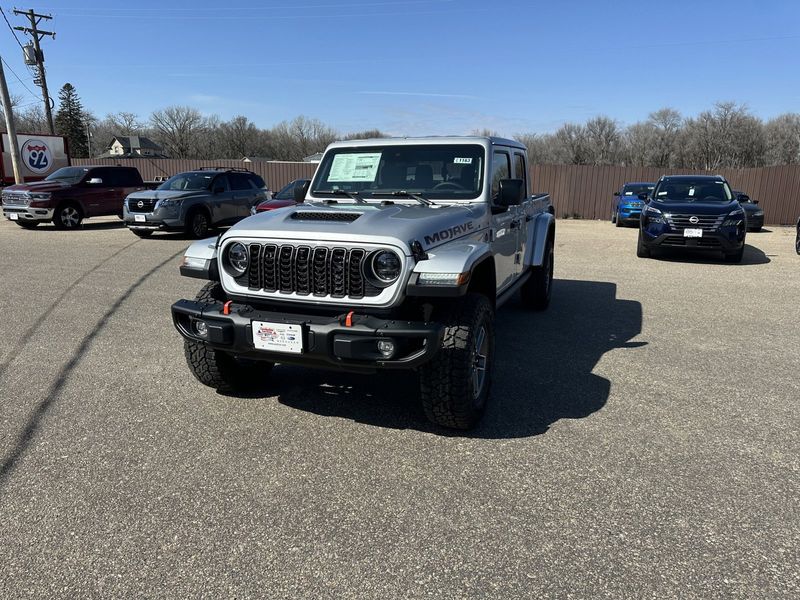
195,202
693,212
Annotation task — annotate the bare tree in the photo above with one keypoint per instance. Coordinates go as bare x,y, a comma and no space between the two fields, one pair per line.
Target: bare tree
783,140
369,134
240,137
541,148
665,124
572,144
602,140
639,140
178,128
301,137
126,123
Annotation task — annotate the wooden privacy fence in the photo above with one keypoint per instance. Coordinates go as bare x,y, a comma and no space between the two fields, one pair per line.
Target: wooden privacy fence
576,190
586,192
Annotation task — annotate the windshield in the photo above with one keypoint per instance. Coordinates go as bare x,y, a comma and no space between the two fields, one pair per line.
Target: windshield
693,190
68,174
447,171
188,181
634,189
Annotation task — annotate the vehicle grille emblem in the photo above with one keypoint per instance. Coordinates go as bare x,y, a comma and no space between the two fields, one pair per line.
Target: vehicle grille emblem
140,204
694,220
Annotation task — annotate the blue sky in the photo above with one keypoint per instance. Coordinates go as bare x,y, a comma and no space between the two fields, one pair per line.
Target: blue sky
417,67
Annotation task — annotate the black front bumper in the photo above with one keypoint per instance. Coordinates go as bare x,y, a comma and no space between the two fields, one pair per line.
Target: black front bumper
711,240
328,342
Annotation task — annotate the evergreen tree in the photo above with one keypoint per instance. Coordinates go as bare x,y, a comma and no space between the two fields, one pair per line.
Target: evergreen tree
70,121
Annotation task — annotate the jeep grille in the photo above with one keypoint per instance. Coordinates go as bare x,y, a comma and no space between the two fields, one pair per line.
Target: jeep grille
308,271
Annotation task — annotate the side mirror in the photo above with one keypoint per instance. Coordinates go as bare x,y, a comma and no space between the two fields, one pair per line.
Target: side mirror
300,192
754,201
617,194
743,198
95,181
643,197
512,192
219,189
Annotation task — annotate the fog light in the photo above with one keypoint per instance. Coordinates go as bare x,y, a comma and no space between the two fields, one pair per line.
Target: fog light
386,348
201,328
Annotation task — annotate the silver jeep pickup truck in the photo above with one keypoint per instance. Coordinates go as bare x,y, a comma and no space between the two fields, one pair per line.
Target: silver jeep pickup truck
397,258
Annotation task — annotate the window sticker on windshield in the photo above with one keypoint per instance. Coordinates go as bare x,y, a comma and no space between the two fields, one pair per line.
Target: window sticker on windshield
629,193
662,193
355,167
462,161
691,191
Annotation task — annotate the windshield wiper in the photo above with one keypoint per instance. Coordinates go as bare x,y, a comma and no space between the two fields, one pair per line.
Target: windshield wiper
406,194
352,195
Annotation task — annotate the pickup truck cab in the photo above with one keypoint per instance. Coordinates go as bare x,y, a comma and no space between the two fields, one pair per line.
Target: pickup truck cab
71,194
398,258
697,212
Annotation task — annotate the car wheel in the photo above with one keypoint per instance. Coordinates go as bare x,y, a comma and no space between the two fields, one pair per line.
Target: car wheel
642,251
537,290
197,224
614,217
735,257
617,221
27,224
67,216
455,384
223,371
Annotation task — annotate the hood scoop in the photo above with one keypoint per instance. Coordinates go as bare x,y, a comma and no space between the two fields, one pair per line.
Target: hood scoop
305,215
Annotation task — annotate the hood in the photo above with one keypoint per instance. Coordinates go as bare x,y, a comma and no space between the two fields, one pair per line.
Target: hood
696,208
164,194
38,186
372,223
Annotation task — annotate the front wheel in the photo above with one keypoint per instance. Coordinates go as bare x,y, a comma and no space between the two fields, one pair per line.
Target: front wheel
223,371
642,251
67,216
198,224
455,384
617,220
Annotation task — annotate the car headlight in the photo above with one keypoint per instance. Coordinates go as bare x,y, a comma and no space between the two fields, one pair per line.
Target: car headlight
238,259
652,215
41,196
734,219
739,212
385,267
170,202
758,213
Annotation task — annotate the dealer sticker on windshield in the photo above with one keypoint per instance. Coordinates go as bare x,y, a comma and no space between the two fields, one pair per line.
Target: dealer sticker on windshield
278,337
355,167
462,161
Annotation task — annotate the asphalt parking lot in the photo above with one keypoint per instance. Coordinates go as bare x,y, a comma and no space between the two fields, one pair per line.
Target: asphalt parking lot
642,440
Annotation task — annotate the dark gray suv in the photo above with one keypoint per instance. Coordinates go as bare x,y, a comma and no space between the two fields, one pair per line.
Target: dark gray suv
195,202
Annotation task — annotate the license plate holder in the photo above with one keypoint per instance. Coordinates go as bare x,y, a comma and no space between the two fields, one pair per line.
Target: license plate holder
286,338
139,218
693,233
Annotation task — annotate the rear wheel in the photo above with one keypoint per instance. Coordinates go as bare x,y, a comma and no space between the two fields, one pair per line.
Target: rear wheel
223,371
197,224
455,384
67,216
642,251
27,224
537,290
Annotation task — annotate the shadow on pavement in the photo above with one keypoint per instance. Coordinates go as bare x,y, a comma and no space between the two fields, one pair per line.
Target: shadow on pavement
543,370
752,256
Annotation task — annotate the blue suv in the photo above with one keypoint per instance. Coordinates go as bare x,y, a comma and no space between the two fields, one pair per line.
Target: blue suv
698,212
627,205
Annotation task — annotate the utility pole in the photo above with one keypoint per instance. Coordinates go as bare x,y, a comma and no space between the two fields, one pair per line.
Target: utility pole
10,128
38,57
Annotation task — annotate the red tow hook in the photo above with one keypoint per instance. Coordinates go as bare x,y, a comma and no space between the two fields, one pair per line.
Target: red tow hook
226,308
348,320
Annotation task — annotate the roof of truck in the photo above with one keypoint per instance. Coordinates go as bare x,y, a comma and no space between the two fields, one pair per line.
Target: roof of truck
434,139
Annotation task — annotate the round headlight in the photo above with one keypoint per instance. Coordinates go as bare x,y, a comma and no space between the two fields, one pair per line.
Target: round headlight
237,258
386,266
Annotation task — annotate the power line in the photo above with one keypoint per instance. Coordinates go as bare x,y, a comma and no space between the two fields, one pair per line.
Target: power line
18,77
12,31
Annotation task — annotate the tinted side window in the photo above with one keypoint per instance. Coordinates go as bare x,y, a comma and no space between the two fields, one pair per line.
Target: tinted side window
220,181
239,181
501,169
257,181
107,175
128,177
521,171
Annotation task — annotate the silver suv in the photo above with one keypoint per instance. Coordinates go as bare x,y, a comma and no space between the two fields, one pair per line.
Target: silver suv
195,202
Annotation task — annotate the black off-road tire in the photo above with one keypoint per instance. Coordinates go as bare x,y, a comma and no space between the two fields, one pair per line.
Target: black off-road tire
198,224
27,224
642,251
447,385
618,222
217,369
614,217
536,292
67,216
142,233
735,257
